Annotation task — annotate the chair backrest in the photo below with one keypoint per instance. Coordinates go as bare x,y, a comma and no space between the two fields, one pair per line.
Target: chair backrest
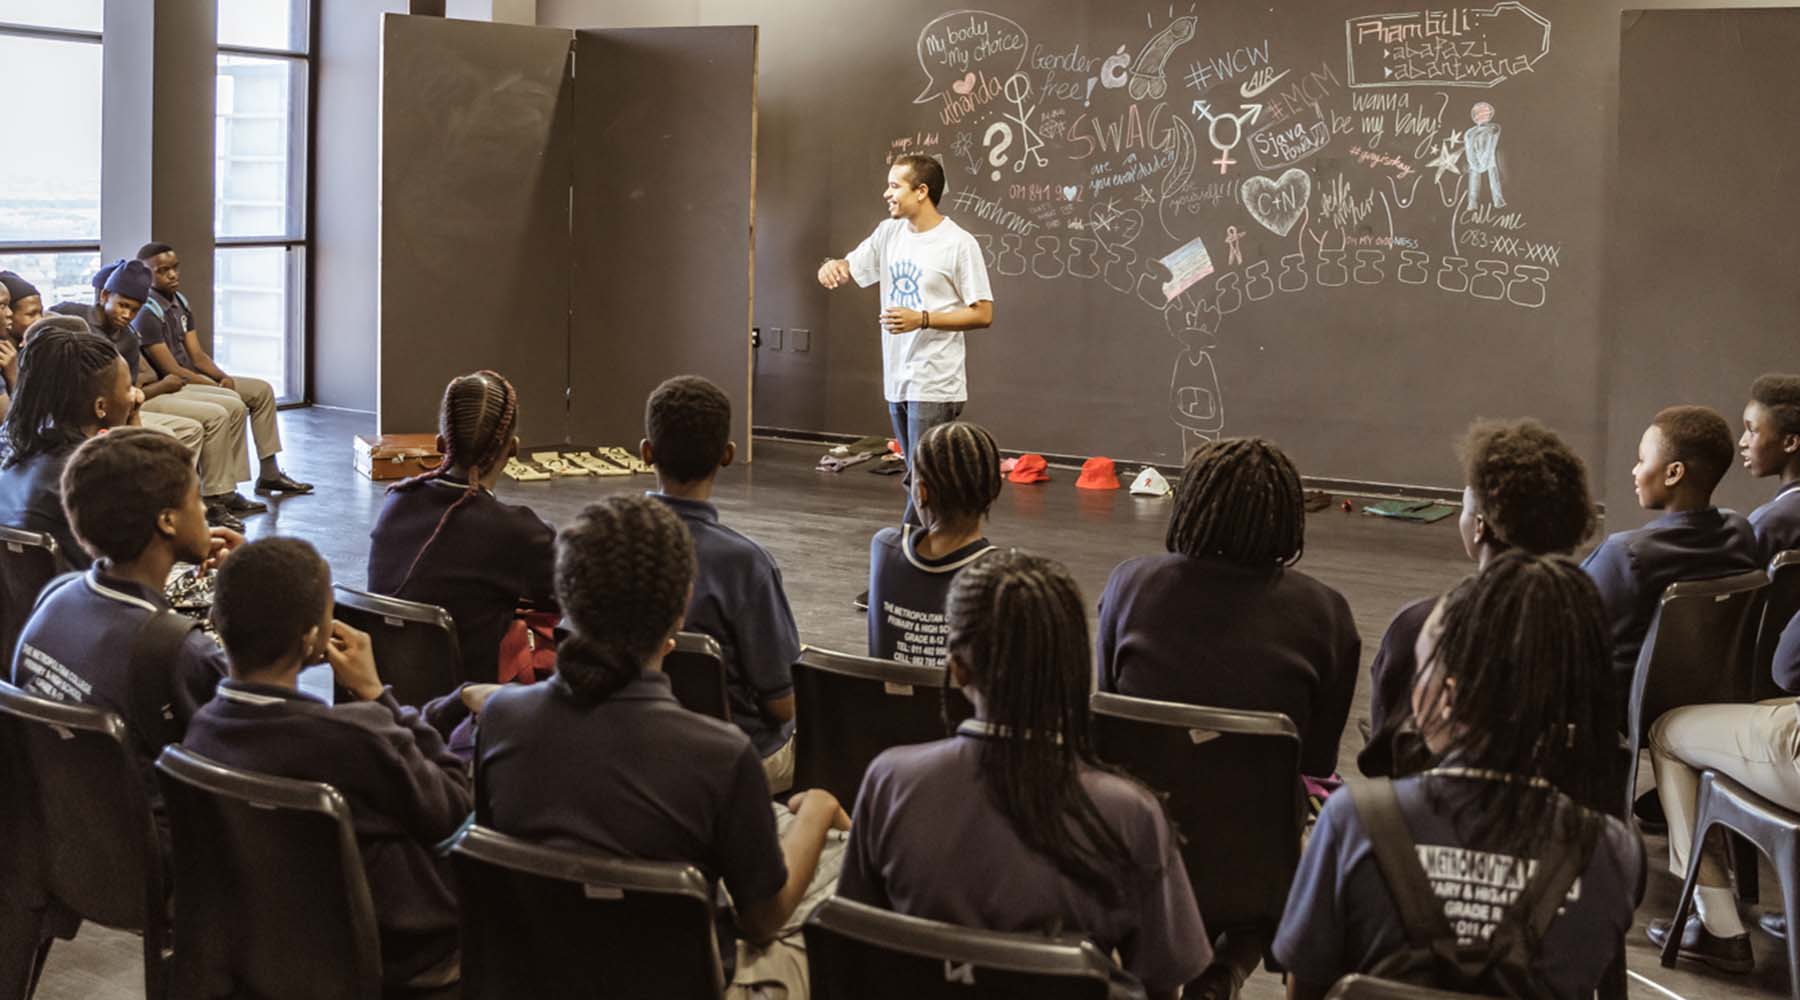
851,708
273,899
416,651
28,560
1240,859
1780,603
1361,987
696,672
96,849
858,952
550,922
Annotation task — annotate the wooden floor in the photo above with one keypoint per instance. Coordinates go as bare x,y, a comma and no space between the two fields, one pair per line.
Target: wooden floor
818,525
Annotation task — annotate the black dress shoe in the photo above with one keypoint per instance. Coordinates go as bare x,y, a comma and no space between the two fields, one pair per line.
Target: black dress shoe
1730,954
219,517
282,483
1774,925
238,503
1649,812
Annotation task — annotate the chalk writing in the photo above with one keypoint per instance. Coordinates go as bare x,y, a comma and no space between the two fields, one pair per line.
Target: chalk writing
1276,205
1455,47
1229,65
953,45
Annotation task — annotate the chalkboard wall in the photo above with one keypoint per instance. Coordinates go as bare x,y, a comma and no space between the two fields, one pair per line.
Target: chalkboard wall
1350,227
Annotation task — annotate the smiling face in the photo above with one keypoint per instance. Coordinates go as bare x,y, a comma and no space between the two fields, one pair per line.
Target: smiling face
1765,450
904,195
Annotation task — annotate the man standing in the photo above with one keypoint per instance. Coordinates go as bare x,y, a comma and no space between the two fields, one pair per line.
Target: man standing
934,286
166,326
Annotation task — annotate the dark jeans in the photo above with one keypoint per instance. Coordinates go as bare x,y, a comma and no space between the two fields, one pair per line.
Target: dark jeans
911,421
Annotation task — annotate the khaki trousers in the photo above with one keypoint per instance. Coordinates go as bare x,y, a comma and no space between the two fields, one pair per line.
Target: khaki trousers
259,397
224,459
1756,745
188,432
778,767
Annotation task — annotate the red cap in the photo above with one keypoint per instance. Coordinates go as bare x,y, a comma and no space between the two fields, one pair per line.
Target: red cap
1097,474
1030,469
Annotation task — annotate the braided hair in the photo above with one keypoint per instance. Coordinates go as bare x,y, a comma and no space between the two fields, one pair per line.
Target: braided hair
1239,498
1524,647
959,466
1017,623
61,373
476,421
623,573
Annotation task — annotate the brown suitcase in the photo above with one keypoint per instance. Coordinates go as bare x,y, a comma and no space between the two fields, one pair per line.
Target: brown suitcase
396,456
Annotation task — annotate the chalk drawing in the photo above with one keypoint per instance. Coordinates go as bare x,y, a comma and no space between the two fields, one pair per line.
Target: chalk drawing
996,156
1187,265
1453,47
1234,239
953,45
1149,77
1481,144
1277,204
1018,91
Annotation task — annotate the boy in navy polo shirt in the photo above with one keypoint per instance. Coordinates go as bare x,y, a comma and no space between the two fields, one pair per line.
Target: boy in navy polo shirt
738,597
1770,446
406,791
1682,456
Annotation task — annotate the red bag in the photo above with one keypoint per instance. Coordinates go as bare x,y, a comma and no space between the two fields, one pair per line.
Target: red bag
528,650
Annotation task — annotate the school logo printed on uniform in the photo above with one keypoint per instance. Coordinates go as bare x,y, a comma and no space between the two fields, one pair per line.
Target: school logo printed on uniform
959,972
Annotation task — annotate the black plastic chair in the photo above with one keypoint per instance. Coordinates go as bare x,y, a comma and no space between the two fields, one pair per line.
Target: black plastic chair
1772,829
696,672
858,952
94,852
1241,860
1781,603
273,899
415,644
851,708
28,560
559,924
1698,651
1360,987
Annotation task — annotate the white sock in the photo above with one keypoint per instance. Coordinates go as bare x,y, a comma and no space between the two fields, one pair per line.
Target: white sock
1718,911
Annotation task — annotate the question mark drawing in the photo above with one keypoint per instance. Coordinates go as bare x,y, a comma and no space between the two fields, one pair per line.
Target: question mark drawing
997,156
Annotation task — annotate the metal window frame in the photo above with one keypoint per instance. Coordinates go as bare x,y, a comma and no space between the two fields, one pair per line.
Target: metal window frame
49,34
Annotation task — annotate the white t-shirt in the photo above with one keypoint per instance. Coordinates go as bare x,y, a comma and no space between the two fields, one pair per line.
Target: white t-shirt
937,270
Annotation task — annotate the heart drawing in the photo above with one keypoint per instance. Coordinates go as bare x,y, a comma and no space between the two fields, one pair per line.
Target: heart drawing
1278,204
966,85
1070,191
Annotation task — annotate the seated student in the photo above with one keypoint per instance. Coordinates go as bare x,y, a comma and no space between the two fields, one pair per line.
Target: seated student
1770,446
655,781
1013,824
1222,619
1684,453
443,538
9,351
738,597
406,792
1524,488
955,479
72,386
27,306
134,502
172,344
1510,695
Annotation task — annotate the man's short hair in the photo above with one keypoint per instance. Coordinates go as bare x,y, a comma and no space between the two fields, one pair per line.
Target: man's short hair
1531,486
268,594
1700,439
688,422
926,171
1780,395
116,484
150,250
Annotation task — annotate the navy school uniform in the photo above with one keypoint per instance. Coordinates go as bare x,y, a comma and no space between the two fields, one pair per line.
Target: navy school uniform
166,320
31,500
740,602
1633,568
1211,632
1777,523
125,339
489,558
406,794
1391,677
928,841
1341,918
907,593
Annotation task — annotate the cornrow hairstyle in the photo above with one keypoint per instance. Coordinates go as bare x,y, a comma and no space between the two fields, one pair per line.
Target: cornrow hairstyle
268,594
623,572
116,485
1240,499
61,373
688,422
959,465
1526,646
1700,439
1531,486
476,421
1018,624
925,170
1780,395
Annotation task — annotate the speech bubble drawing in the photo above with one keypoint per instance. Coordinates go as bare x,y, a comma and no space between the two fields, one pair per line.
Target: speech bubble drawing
955,45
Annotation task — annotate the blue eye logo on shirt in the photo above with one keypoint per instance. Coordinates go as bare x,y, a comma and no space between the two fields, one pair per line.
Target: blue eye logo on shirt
904,276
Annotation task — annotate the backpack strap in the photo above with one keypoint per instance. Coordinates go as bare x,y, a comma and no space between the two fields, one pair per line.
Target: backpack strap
1538,903
151,684
1422,913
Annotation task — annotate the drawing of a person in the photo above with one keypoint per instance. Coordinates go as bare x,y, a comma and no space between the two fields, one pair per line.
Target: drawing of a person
1480,144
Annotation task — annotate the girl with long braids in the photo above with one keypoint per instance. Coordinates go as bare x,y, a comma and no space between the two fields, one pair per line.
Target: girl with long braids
443,537
637,775
1013,824
1510,698
1222,618
72,386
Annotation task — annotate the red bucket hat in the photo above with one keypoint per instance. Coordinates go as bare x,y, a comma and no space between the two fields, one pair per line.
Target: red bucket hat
1030,469
1097,474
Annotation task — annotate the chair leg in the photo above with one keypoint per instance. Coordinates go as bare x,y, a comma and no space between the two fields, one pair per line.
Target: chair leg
1744,868
1702,826
1787,870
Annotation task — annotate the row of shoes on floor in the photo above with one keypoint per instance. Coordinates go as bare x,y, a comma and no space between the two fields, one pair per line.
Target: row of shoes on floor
544,465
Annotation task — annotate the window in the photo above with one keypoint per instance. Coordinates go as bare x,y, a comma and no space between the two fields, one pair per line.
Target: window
50,193
261,191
